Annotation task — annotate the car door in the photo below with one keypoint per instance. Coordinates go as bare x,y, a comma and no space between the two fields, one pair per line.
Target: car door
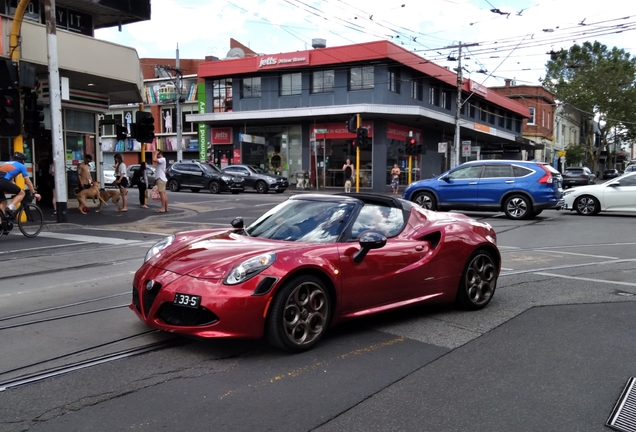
621,197
458,189
387,275
197,176
243,172
181,173
496,180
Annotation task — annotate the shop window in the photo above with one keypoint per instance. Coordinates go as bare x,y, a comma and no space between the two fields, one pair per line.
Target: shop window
361,78
393,80
291,84
322,81
251,88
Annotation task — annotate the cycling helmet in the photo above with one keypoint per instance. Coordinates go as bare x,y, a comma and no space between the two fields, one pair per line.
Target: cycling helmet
19,156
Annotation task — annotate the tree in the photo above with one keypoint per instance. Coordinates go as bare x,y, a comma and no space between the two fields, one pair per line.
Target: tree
600,83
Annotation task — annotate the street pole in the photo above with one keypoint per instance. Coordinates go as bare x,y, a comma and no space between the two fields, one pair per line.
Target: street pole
460,84
179,126
55,97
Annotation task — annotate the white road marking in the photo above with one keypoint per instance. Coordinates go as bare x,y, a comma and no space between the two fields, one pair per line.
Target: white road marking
574,253
86,238
200,223
587,279
39,248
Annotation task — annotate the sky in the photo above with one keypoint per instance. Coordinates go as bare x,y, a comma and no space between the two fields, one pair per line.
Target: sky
512,37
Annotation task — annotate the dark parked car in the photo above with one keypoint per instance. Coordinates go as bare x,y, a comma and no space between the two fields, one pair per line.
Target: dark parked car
150,170
610,174
578,176
197,175
521,189
630,168
257,178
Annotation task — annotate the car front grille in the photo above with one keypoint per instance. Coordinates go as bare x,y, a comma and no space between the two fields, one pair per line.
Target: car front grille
135,299
184,316
149,297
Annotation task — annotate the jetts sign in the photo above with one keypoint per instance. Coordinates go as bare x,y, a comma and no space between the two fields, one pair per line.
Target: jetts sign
284,60
221,135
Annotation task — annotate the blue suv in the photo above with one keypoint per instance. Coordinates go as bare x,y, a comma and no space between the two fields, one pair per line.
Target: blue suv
521,189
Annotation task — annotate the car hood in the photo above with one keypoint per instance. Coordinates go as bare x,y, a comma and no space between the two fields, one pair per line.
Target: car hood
274,176
213,254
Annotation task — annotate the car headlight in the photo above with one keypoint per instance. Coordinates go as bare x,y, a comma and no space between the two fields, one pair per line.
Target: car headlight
226,179
271,180
158,247
250,268
569,192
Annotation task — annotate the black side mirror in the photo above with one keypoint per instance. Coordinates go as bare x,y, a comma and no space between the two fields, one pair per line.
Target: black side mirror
369,240
237,223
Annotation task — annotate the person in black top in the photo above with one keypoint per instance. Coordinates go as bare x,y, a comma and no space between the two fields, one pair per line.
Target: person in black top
348,174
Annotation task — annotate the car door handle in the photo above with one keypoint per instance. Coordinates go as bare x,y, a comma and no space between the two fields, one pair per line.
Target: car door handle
472,183
419,248
510,181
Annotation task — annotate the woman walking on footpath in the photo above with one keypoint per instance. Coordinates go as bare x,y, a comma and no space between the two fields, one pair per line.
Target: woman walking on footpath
122,181
141,179
160,182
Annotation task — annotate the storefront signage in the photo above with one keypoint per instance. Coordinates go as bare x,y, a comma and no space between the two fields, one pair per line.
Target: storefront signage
221,136
400,133
478,88
480,127
337,130
283,60
236,156
251,139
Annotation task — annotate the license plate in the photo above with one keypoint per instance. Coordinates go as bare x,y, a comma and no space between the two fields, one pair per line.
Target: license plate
187,300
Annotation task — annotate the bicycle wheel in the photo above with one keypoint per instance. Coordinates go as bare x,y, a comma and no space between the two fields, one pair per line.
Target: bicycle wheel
30,220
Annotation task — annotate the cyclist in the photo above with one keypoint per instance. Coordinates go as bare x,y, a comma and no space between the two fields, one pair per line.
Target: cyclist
8,172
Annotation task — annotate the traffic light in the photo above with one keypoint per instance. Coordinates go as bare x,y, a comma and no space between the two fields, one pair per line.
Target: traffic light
410,146
10,124
362,138
120,132
144,130
33,115
352,123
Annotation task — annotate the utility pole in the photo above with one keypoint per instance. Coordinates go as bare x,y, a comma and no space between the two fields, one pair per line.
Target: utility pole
179,126
460,83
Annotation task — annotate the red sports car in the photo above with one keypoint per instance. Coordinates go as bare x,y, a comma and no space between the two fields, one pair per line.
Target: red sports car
311,262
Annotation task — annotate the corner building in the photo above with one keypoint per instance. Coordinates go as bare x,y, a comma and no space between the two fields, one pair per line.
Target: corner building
288,113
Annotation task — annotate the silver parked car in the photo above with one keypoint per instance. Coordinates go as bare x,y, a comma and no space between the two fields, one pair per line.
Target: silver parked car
150,170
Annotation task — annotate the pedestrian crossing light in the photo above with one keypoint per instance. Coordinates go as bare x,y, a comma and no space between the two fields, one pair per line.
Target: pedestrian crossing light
362,138
145,127
33,115
120,132
10,122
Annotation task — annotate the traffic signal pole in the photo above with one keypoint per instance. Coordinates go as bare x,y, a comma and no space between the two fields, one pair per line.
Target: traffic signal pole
358,125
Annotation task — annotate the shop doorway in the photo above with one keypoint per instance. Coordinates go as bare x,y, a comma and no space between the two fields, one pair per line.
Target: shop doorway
223,155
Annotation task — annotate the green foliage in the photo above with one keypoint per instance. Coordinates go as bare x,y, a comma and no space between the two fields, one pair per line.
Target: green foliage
576,155
600,83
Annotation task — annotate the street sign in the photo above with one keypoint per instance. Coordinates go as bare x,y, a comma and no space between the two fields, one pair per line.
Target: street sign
561,153
320,131
466,148
442,147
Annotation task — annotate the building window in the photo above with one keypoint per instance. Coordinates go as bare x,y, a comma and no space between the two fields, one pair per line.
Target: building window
509,122
471,110
542,118
416,90
491,116
502,120
518,125
484,113
531,119
251,88
291,84
322,81
433,96
549,125
446,99
222,93
361,78
393,80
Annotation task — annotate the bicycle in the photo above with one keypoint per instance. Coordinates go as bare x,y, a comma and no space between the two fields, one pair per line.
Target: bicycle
28,216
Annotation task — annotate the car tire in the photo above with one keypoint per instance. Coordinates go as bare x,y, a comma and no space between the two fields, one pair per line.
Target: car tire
518,207
299,314
214,187
195,190
261,187
536,213
280,191
425,200
173,185
587,205
479,281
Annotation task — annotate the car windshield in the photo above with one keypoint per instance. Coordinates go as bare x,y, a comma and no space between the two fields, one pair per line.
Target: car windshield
213,168
304,221
210,168
258,169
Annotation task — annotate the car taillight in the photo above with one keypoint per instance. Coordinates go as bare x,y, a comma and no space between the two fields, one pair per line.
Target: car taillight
547,177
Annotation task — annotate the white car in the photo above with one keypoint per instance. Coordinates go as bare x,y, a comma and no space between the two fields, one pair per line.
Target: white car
109,177
618,195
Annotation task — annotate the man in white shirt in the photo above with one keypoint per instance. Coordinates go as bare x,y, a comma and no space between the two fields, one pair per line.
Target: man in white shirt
160,182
